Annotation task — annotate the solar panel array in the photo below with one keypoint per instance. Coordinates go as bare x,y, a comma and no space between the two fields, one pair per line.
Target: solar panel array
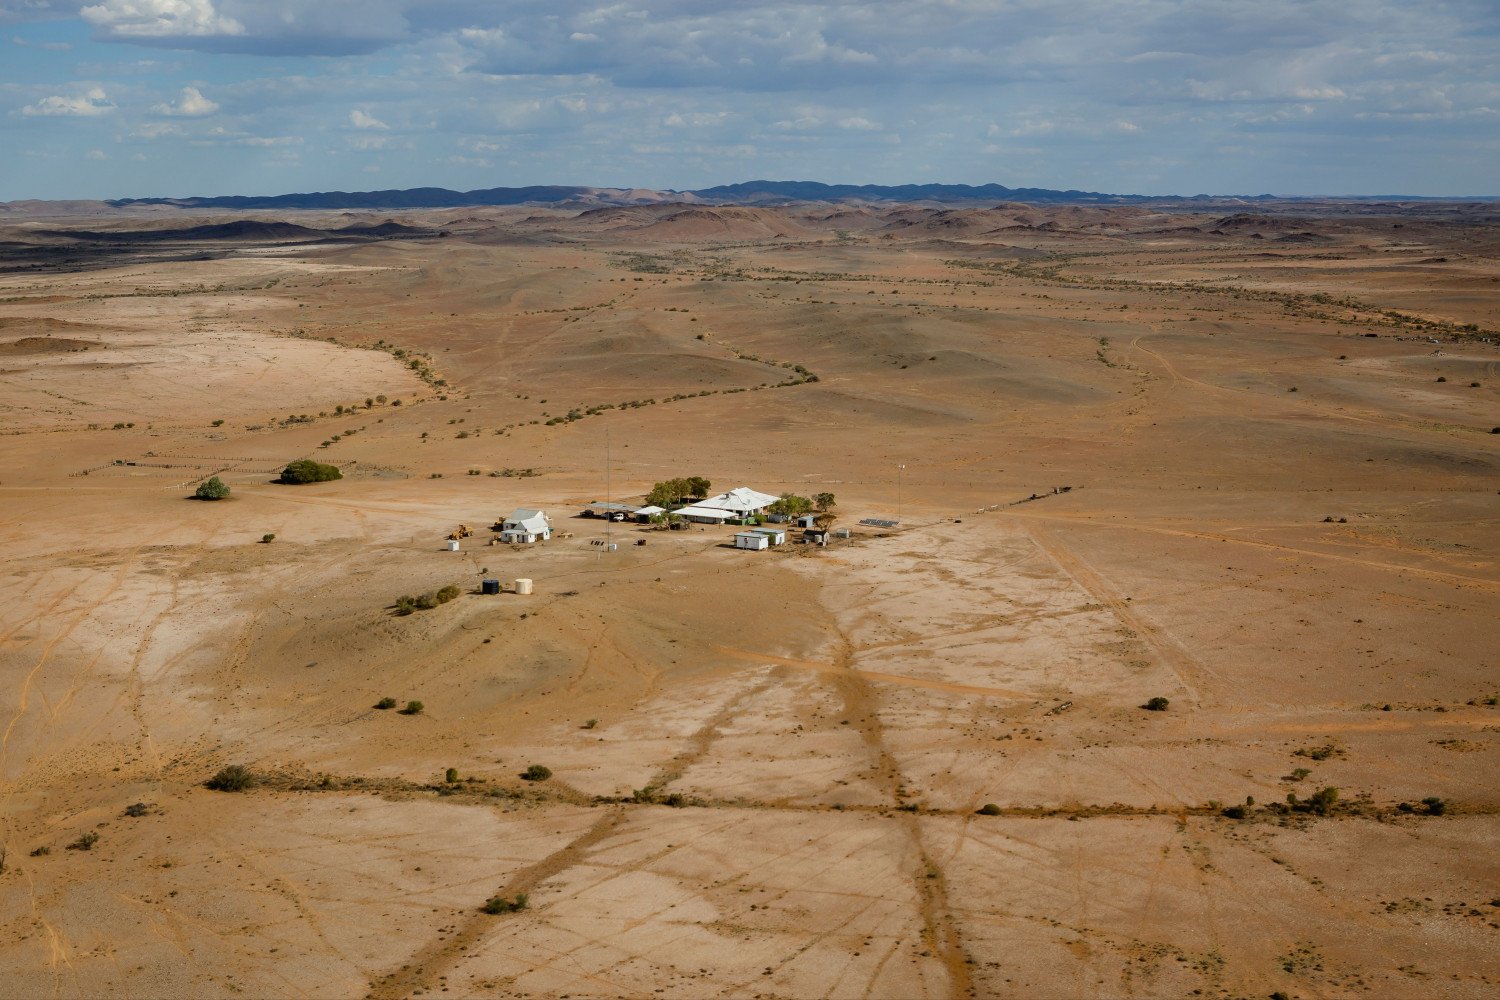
876,522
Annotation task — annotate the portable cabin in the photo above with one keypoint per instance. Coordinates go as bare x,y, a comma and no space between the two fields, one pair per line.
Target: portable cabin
806,520
751,540
776,536
645,514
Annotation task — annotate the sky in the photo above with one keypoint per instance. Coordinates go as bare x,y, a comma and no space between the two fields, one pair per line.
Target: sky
139,98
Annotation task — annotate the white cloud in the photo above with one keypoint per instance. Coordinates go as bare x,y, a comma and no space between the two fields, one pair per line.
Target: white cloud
189,104
858,124
360,119
91,103
95,154
161,19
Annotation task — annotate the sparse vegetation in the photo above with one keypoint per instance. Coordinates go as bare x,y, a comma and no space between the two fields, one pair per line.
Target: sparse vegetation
451,776
536,772
1157,704
413,708
499,904
385,704
234,778
305,470
212,488
590,723
268,538
989,809
85,842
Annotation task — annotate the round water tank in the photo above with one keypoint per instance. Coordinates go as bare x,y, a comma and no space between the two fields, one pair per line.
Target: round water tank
523,586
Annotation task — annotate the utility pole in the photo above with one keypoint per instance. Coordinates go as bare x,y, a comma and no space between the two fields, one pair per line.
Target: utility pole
899,470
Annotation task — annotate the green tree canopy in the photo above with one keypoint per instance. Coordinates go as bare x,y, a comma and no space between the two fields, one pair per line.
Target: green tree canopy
305,470
212,488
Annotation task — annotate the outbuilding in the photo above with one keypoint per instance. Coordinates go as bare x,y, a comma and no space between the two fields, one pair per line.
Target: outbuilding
645,514
751,540
776,536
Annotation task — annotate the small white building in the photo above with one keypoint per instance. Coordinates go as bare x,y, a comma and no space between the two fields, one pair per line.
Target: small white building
776,536
751,540
525,526
645,514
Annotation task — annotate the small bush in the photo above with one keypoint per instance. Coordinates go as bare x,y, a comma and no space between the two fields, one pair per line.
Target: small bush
85,842
1435,806
451,775
499,904
447,594
1235,812
413,708
427,602
1157,704
385,703
989,809
536,772
218,423
268,538
137,809
212,488
1323,800
1442,378
234,778
590,723
305,470
41,851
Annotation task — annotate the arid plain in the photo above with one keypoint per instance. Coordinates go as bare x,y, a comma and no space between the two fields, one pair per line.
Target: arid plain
768,768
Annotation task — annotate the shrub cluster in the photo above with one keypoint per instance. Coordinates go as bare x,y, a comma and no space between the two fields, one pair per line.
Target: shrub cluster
305,470
406,604
234,778
212,488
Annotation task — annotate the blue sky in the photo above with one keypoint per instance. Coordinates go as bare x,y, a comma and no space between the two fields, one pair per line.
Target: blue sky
121,98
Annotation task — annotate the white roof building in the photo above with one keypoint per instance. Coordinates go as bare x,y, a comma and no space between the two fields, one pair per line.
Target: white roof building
740,502
526,525
704,515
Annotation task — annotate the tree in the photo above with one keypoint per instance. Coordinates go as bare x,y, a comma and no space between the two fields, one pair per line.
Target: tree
791,504
305,470
824,501
212,488
698,486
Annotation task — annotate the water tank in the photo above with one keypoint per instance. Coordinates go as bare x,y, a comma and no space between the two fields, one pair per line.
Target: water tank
489,587
523,586
453,545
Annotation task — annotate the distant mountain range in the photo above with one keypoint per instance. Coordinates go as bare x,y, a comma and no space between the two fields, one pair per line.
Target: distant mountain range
751,192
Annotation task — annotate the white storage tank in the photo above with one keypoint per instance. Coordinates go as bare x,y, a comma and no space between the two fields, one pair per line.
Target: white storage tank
453,545
523,586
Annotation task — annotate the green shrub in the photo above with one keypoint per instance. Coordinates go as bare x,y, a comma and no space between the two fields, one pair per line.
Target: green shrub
427,602
499,904
451,775
1157,704
989,809
1323,800
1235,812
447,594
305,470
385,703
413,708
1435,806
234,778
536,772
212,488
590,723
85,843
267,538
